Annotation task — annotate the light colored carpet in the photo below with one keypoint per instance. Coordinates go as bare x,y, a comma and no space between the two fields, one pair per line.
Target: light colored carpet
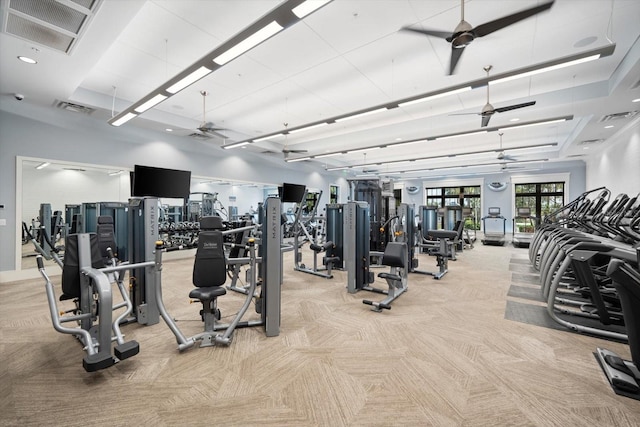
444,355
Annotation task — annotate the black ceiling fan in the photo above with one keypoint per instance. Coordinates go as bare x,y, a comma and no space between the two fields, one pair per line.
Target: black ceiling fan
488,110
464,33
286,151
208,129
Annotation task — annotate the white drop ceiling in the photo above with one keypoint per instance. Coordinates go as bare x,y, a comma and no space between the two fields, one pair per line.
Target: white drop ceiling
347,56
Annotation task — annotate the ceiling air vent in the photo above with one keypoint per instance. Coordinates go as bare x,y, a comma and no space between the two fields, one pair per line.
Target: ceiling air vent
618,116
51,23
75,108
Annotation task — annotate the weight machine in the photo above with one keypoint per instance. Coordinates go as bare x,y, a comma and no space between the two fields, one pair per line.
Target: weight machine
356,226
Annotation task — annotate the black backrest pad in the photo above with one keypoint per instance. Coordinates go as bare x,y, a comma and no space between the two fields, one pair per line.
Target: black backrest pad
395,254
211,223
71,268
106,235
210,266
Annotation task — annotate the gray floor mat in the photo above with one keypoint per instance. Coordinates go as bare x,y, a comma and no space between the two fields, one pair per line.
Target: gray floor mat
525,292
530,314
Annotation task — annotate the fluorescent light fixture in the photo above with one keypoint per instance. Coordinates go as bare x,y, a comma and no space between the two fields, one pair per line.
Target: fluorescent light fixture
299,159
239,144
188,80
545,69
609,126
460,134
264,138
307,7
42,165
124,119
150,103
321,156
27,60
526,125
248,43
635,100
366,113
361,150
537,147
408,143
115,173
436,96
308,127
169,130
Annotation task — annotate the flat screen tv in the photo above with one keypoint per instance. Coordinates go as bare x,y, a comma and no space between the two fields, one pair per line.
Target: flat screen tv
291,193
159,182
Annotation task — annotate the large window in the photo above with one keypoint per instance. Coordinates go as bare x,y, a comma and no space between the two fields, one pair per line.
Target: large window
541,198
466,196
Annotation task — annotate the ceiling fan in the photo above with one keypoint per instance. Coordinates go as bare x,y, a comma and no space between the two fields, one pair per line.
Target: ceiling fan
502,155
208,129
286,151
488,110
464,33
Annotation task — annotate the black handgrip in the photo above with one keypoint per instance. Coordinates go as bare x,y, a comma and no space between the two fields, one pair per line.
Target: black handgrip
46,237
385,306
40,262
366,301
26,230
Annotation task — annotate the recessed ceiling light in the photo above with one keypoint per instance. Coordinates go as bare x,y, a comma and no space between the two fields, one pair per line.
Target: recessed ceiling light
608,126
27,60
169,130
398,139
585,148
514,119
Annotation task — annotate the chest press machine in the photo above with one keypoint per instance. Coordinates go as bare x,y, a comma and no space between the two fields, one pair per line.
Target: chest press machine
209,276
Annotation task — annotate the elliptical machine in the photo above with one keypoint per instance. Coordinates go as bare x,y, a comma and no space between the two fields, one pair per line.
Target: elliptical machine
624,375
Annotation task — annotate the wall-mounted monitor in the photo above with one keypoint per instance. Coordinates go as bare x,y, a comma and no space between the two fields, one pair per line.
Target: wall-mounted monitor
494,211
160,182
291,193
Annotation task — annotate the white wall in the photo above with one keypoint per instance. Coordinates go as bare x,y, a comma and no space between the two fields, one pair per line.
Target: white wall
46,133
619,153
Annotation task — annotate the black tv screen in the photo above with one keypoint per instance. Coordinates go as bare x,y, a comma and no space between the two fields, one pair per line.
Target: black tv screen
291,193
159,182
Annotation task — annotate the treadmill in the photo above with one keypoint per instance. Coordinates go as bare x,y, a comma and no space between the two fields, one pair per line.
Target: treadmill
495,238
524,219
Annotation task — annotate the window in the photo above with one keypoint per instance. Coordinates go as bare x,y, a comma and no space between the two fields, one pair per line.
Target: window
468,197
541,198
333,194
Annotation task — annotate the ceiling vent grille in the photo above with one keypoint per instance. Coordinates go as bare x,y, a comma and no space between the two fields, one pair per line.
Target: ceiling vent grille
51,23
618,116
75,108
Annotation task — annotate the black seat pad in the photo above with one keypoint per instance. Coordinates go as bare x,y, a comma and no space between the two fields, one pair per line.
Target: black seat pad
442,234
209,293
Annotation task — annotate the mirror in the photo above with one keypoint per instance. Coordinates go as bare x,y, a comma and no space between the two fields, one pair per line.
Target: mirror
66,186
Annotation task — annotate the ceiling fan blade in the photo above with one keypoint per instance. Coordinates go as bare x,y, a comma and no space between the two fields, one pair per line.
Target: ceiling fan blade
434,33
498,24
456,53
485,120
294,151
514,107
